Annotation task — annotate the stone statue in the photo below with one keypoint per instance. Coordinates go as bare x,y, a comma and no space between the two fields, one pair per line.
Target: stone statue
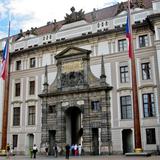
74,16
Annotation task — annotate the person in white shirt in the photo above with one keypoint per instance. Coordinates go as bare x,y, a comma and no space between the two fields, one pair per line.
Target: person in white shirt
79,149
34,150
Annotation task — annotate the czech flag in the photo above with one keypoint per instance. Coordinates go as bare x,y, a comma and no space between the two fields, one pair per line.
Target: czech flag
129,37
4,61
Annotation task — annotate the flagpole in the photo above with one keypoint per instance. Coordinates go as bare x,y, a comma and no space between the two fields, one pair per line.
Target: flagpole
137,129
6,97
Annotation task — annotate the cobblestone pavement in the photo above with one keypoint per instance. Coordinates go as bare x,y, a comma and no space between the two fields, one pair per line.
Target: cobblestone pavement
120,157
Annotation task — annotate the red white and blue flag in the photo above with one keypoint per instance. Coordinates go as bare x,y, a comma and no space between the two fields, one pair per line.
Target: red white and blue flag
4,61
129,31
129,37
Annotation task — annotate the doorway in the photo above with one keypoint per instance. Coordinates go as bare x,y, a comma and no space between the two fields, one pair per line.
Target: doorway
73,125
127,139
30,140
95,142
52,134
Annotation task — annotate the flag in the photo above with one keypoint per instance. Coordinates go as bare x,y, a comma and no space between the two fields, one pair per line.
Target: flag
129,36
4,61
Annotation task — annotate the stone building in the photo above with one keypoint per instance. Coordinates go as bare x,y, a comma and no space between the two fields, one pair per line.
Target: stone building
70,81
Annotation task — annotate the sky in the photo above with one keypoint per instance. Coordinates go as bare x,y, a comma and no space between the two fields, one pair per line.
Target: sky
25,14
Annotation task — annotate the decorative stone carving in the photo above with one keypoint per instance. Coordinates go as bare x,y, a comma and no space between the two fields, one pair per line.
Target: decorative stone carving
72,79
74,16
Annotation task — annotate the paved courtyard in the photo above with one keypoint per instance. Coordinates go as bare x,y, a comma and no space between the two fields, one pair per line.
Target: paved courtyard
83,158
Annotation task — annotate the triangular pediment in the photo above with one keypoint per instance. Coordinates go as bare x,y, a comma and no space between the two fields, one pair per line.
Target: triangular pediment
72,51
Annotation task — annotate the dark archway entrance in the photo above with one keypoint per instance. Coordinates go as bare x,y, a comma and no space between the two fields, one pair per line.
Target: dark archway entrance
127,138
73,125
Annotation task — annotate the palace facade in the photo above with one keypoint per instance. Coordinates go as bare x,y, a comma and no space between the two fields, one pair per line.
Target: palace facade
70,81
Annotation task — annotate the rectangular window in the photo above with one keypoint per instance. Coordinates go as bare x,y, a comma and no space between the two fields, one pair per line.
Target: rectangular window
148,105
95,105
124,77
143,41
51,109
17,89
146,71
15,141
31,87
18,65
31,115
126,108
32,62
122,45
150,136
16,116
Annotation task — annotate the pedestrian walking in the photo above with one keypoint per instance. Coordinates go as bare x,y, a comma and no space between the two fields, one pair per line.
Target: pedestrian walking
8,150
79,149
55,150
75,150
35,150
67,147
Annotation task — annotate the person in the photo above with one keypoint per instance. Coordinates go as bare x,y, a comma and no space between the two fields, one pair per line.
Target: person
75,150
72,149
56,150
31,152
79,149
8,149
67,147
34,150
46,149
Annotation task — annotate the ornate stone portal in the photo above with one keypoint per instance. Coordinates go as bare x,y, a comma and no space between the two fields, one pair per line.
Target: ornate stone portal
75,107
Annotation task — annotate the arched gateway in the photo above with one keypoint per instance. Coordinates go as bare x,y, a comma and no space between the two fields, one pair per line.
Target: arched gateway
75,107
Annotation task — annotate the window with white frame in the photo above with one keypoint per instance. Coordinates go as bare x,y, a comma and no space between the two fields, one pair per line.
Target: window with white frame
31,87
16,116
124,76
15,141
126,107
146,70
31,115
150,136
148,105
143,41
32,62
122,45
18,65
17,89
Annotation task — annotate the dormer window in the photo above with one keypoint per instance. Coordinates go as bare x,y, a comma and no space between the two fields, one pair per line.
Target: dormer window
32,62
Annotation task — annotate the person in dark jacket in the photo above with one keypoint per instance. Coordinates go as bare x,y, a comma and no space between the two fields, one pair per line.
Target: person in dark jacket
67,151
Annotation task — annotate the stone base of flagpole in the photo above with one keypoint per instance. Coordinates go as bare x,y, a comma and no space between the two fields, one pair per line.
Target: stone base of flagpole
3,152
138,152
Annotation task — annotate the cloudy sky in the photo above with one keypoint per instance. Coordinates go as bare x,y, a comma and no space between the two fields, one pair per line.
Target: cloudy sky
25,14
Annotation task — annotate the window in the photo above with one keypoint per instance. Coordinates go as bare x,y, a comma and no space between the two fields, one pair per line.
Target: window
32,62
31,115
124,74
16,116
18,65
148,105
150,136
146,71
143,41
15,141
51,109
95,106
126,108
122,45
32,87
17,89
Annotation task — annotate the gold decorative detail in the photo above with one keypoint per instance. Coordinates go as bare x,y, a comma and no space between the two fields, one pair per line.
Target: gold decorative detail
138,150
72,66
